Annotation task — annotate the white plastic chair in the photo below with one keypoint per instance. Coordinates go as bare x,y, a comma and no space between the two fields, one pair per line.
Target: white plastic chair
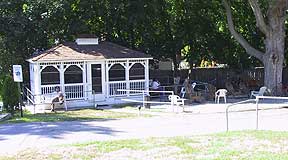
176,100
220,93
258,93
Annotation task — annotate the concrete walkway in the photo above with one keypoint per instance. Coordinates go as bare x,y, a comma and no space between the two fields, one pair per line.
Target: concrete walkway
15,137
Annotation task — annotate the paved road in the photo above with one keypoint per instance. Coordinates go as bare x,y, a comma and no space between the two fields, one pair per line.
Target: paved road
25,135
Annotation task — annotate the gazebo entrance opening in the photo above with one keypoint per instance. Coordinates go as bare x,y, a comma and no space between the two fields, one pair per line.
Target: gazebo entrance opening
96,84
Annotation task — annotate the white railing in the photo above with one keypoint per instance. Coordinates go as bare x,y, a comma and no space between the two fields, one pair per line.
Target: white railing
232,105
74,91
258,98
29,96
136,85
119,88
77,91
113,88
47,89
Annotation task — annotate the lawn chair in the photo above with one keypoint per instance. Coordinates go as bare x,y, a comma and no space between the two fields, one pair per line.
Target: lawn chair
220,93
258,93
176,100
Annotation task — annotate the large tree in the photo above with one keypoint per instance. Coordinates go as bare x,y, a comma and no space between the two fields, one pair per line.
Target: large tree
272,24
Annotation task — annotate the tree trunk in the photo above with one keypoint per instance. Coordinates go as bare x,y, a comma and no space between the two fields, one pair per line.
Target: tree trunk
274,55
273,74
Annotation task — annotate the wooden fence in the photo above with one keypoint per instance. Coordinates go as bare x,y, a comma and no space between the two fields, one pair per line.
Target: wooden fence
216,76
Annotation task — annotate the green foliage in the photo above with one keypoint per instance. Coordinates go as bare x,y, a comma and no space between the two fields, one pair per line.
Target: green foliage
10,94
160,28
2,77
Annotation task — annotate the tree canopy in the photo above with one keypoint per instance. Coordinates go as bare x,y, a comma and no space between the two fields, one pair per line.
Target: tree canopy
190,29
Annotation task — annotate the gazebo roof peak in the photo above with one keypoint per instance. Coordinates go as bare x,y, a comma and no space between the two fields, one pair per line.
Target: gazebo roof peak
87,49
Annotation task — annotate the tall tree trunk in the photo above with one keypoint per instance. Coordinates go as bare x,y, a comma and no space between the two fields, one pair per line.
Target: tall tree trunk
274,55
273,67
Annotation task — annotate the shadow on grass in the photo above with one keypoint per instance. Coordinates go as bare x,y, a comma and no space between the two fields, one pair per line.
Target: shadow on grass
75,115
55,117
53,129
54,125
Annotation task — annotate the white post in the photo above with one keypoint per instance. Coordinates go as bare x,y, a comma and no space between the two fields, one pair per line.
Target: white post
257,110
37,83
127,68
62,81
107,78
89,82
103,79
84,81
147,75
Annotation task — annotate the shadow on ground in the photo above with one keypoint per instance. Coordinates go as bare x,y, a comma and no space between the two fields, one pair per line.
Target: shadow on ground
53,129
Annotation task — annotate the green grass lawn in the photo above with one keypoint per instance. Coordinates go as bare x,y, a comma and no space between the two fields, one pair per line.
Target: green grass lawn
251,145
83,114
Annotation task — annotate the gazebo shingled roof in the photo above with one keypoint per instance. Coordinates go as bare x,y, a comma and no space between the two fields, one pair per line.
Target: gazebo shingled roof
72,51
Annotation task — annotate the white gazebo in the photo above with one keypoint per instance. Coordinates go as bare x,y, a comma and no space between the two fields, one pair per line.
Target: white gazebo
88,71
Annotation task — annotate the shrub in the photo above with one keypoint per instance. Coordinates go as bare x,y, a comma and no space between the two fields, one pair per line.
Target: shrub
1,84
10,94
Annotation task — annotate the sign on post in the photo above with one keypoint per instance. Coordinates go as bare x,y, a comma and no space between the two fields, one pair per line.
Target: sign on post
17,73
18,77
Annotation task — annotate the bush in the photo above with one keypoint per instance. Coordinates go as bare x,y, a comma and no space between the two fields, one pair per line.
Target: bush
10,94
1,84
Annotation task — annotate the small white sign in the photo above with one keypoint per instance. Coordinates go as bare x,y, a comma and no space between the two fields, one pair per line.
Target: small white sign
17,73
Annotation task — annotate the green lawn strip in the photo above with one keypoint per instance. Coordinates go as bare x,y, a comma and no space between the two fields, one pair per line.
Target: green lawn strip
83,114
268,156
186,144
254,145
248,144
110,146
200,147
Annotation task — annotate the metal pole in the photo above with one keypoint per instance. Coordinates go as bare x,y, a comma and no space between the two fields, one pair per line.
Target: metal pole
143,105
257,114
227,123
20,99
